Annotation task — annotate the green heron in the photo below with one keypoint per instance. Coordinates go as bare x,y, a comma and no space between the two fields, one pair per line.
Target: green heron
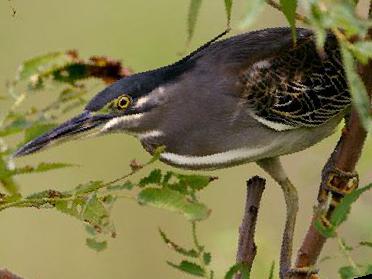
248,98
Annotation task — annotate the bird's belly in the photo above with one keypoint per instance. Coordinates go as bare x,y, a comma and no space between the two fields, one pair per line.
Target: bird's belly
197,154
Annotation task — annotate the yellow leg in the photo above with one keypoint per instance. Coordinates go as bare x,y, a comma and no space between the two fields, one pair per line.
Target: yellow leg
274,168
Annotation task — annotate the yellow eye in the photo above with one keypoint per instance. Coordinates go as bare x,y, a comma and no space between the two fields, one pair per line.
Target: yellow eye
123,102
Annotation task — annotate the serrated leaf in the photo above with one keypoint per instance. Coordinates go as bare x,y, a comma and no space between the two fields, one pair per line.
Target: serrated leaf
228,9
94,212
186,252
207,257
125,186
342,211
42,167
190,268
154,177
238,268
358,91
42,63
88,187
289,9
96,245
272,270
195,182
194,9
255,7
173,201
47,194
37,130
71,208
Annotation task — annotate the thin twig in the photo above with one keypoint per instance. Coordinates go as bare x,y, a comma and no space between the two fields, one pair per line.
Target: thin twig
247,248
277,6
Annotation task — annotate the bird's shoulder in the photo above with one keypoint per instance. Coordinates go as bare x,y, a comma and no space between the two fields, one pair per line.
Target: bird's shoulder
283,85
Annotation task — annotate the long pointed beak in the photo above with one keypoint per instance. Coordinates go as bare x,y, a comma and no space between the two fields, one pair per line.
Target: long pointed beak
76,127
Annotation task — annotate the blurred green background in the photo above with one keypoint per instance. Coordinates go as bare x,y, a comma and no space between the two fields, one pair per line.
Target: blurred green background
145,34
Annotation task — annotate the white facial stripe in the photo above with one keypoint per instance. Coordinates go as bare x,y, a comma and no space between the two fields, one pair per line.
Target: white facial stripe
154,95
150,134
273,125
142,101
122,120
216,159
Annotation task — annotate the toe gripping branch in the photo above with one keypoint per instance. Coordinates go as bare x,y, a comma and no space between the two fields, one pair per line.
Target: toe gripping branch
337,182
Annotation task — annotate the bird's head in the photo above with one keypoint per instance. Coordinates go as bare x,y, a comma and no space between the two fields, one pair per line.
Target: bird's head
128,105
125,106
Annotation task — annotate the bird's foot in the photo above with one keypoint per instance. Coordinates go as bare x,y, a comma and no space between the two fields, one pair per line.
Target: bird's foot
307,271
339,182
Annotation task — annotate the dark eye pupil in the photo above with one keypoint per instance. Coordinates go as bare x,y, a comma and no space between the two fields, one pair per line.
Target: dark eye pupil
123,102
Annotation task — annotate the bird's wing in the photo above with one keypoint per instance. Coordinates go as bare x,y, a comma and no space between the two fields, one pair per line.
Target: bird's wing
296,87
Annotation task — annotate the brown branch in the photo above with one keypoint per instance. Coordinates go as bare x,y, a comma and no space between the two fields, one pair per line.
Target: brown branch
5,274
247,247
344,158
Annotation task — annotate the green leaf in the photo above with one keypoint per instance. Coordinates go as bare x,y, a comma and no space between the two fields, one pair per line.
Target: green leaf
173,201
255,7
37,130
362,50
272,270
289,9
193,181
326,231
358,91
194,9
157,153
154,177
228,9
71,208
366,244
42,63
190,268
342,211
19,124
95,212
207,257
348,272
238,268
47,194
88,187
125,186
186,252
90,230
96,245
42,167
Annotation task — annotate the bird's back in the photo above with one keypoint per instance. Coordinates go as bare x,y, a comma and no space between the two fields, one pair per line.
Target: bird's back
286,86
